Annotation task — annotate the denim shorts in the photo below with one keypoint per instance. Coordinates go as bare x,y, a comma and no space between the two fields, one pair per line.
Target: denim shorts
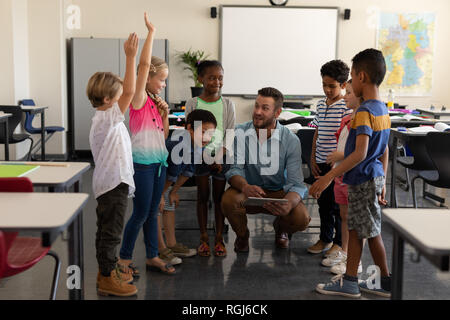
364,211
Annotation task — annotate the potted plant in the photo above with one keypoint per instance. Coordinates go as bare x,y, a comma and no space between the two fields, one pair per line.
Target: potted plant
192,58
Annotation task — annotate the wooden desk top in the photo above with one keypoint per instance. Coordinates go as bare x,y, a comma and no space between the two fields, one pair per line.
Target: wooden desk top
35,211
427,229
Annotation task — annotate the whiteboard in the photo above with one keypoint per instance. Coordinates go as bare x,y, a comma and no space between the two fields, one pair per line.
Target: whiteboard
276,47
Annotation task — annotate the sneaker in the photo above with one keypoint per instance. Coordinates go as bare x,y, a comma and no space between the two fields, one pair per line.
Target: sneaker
341,267
333,250
167,255
364,286
340,287
320,247
114,285
334,259
180,250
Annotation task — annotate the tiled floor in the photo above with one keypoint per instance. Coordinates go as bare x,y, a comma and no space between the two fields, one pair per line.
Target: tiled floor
265,273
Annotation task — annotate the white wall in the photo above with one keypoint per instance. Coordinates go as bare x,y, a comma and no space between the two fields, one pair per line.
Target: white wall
187,24
14,78
48,82
6,53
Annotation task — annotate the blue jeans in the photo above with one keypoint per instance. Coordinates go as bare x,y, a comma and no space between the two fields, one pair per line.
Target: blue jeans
149,181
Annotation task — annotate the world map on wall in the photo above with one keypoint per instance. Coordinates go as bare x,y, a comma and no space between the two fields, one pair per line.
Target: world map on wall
407,43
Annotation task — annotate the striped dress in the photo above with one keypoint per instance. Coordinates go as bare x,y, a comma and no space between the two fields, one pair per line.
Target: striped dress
328,120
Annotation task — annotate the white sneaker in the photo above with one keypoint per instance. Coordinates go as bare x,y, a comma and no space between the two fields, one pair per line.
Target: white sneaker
334,259
333,251
341,267
167,255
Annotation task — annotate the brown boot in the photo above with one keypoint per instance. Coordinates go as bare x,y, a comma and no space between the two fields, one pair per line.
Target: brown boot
114,285
281,238
126,276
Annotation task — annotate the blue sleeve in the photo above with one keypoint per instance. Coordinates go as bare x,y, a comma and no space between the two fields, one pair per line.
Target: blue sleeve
236,169
294,180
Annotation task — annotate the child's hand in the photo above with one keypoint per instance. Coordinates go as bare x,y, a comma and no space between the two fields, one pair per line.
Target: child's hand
381,200
315,170
217,167
335,157
150,26
162,106
162,204
131,45
321,184
174,198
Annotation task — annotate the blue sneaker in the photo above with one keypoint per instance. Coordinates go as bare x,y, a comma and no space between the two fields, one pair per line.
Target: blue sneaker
364,286
340,287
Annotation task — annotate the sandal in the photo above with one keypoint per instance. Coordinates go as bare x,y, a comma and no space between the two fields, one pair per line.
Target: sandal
164,270
203,250
135,270
219,249
130,268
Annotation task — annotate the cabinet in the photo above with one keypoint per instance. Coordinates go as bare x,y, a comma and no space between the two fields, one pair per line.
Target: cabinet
87,56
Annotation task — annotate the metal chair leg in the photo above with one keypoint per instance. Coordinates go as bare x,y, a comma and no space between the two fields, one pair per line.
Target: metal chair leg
413,190
55,274
31,147
408,183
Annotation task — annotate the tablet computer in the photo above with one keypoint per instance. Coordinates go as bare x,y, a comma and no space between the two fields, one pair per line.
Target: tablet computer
259,202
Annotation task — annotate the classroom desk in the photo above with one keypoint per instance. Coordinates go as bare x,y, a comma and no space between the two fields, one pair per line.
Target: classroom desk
59,177
435,113
4,119
426,230
50,214
36,110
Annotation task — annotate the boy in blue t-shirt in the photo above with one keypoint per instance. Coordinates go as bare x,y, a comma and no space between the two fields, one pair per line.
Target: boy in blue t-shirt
180,169
365,167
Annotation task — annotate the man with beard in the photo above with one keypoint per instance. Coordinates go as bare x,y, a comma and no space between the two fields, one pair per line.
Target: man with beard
267,164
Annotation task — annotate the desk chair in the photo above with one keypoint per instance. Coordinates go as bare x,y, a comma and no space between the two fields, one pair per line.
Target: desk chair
18,254
438,148
13,122
49,131
419,161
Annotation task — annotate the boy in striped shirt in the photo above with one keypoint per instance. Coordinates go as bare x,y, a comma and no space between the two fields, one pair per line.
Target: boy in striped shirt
330,111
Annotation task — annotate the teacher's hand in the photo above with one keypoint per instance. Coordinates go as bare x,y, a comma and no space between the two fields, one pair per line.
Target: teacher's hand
253,191
278,208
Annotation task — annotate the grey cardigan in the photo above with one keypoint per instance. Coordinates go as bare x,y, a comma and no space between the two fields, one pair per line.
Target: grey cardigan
229,116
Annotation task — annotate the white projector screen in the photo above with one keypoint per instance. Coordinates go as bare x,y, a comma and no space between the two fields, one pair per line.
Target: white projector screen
276,47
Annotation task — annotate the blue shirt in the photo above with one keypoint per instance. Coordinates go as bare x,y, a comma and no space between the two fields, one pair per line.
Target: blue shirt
181,155
274,164
371,119
327,121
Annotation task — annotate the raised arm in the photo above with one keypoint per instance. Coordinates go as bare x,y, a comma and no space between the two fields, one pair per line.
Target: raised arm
144,67
129,81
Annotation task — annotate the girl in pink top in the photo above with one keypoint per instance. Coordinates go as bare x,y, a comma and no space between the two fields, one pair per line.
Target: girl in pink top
149,127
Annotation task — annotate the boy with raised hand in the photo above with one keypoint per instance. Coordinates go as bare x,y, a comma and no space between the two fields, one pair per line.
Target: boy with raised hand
365,167
112,181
